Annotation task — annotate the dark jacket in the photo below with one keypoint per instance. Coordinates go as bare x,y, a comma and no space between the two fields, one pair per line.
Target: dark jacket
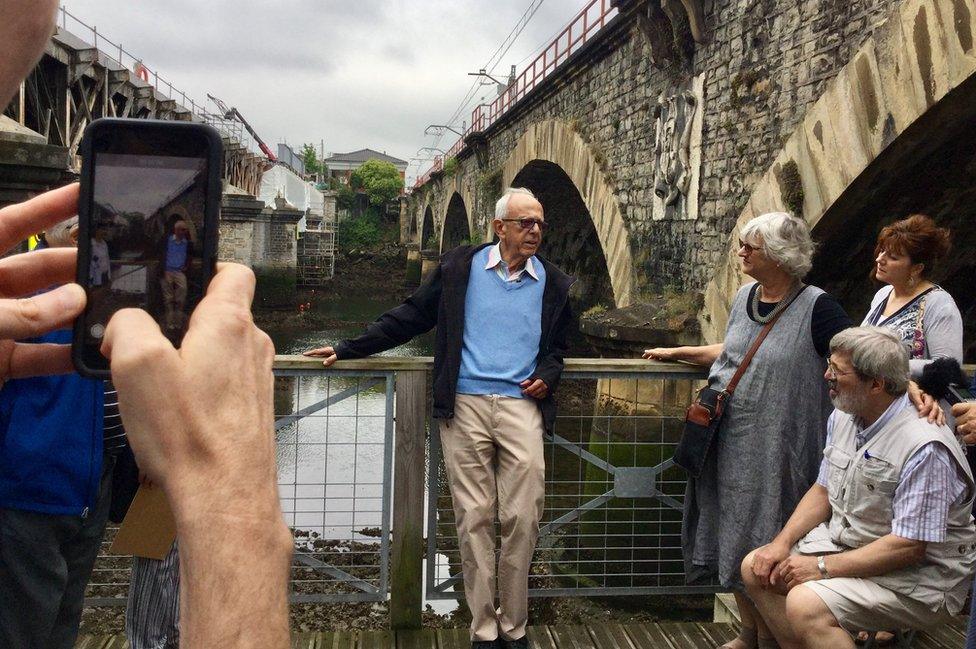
440,301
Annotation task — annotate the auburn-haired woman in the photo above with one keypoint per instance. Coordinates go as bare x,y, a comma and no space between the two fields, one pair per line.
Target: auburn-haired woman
924,314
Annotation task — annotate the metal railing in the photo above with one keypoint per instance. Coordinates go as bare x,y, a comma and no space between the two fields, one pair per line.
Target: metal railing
590,20
362,485
115,52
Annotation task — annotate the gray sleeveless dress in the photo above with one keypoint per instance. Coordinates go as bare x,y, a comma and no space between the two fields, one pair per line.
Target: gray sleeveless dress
768,448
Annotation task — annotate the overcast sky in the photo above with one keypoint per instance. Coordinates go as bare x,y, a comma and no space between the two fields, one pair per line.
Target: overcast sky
355,73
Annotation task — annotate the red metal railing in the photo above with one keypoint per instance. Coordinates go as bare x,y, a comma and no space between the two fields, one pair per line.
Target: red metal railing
582,28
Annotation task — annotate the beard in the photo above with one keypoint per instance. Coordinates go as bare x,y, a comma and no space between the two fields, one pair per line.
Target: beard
850,402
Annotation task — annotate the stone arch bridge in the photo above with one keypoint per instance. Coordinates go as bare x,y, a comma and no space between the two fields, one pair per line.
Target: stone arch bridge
662,131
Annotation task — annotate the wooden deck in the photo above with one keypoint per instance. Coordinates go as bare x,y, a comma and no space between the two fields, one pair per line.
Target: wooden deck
657,635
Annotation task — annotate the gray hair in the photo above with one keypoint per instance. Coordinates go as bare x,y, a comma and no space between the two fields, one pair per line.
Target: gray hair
501,207
786,240
59,234
876,353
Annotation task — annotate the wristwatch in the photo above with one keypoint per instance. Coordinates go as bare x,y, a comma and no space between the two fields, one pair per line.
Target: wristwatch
822,566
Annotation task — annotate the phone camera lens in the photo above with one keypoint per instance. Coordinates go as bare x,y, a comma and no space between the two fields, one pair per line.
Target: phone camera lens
97,331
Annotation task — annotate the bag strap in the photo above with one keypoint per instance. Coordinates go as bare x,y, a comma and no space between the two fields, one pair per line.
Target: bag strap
730,388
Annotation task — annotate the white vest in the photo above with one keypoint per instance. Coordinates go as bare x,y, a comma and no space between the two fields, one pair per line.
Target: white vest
861,486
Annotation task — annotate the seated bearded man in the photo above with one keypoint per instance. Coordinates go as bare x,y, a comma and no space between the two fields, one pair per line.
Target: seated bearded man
885,538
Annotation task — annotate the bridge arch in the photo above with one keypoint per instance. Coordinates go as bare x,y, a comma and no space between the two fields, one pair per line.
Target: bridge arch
890,135
455,226
427,228
553,141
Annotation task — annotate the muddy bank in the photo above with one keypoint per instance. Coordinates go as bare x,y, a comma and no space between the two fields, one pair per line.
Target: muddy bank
378,273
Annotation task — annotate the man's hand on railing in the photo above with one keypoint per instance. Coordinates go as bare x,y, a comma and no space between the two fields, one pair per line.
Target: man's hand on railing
200,421
31,272
326,353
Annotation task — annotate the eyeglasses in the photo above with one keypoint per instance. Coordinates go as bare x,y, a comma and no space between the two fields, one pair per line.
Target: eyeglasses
833,372
749,248
526,224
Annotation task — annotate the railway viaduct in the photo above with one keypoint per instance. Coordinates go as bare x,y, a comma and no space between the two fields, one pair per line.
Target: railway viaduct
653,131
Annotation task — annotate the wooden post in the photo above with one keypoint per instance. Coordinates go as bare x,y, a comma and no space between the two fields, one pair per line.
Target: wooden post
406,570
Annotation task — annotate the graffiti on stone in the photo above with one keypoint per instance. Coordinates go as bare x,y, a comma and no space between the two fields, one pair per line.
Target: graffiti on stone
677,133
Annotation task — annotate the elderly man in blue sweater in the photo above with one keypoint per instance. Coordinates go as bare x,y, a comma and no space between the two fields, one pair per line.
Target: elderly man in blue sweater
501,313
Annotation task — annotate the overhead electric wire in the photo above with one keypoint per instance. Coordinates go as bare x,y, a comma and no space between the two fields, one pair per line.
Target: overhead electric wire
492,63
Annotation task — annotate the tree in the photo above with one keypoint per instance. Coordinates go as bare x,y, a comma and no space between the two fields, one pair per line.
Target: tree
379,180
311,159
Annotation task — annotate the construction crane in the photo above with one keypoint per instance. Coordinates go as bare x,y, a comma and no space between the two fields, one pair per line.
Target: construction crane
232,114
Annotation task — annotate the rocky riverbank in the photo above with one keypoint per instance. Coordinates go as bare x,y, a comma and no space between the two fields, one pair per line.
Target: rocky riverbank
379,273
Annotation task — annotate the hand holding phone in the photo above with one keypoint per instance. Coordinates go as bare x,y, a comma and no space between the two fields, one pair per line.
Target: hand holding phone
147,214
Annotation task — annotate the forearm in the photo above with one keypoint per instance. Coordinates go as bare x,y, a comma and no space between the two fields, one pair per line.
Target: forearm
234,582
879,557
703,355
812,510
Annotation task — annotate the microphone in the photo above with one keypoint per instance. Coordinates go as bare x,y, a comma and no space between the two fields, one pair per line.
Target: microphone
939,375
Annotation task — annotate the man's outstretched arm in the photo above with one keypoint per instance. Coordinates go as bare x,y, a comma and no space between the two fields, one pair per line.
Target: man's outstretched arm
200,421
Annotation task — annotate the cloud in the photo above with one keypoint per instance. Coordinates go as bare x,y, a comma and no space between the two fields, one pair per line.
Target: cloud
363,73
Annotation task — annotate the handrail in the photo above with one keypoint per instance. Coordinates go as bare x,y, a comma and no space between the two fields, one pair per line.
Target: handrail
130,62
587,23
404,363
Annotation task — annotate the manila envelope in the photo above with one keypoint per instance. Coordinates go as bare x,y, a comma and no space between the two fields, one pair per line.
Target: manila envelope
148,529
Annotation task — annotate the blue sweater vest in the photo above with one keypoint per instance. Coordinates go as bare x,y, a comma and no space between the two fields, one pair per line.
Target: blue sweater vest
502,329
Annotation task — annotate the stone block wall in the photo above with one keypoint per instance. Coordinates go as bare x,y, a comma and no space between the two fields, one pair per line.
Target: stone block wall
765,63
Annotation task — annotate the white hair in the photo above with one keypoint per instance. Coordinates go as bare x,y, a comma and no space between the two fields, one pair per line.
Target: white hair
785,239
876,353
59,234
501,207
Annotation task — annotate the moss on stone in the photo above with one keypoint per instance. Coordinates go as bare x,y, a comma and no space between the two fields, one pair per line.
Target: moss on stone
790,187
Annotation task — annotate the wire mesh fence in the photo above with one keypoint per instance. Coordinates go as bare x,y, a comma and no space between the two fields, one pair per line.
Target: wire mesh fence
612,520
334,437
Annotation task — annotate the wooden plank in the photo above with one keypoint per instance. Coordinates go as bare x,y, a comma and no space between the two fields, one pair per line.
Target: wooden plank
416,639
717,633
375,639
610,636
540,638
571,637
647,636
453,638
946,636
684,635
407,554
344,640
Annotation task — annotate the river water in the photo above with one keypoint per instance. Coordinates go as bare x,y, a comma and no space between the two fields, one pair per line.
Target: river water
331,463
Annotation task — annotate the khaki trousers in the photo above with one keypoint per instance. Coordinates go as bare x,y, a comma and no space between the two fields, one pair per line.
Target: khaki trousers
173,285
495,465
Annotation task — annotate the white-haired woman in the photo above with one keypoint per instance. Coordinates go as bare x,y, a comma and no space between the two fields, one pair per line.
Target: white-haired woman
770,442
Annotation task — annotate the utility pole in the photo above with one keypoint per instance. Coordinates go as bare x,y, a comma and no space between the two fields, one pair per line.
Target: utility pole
321,161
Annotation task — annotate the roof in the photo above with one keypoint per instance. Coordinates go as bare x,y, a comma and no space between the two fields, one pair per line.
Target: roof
363,155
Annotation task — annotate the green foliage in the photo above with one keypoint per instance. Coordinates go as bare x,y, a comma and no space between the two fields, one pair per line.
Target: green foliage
311,159
360,232
379,180
345,197
490,184
450,166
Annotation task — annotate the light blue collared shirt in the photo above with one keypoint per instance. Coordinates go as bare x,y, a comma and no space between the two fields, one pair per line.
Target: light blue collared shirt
501,268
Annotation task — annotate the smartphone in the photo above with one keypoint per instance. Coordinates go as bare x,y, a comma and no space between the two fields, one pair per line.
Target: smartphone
147,226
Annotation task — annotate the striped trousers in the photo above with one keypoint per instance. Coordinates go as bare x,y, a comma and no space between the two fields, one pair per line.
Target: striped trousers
152,616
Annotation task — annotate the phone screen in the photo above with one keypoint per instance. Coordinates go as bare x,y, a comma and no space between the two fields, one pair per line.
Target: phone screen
147,216
146,239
